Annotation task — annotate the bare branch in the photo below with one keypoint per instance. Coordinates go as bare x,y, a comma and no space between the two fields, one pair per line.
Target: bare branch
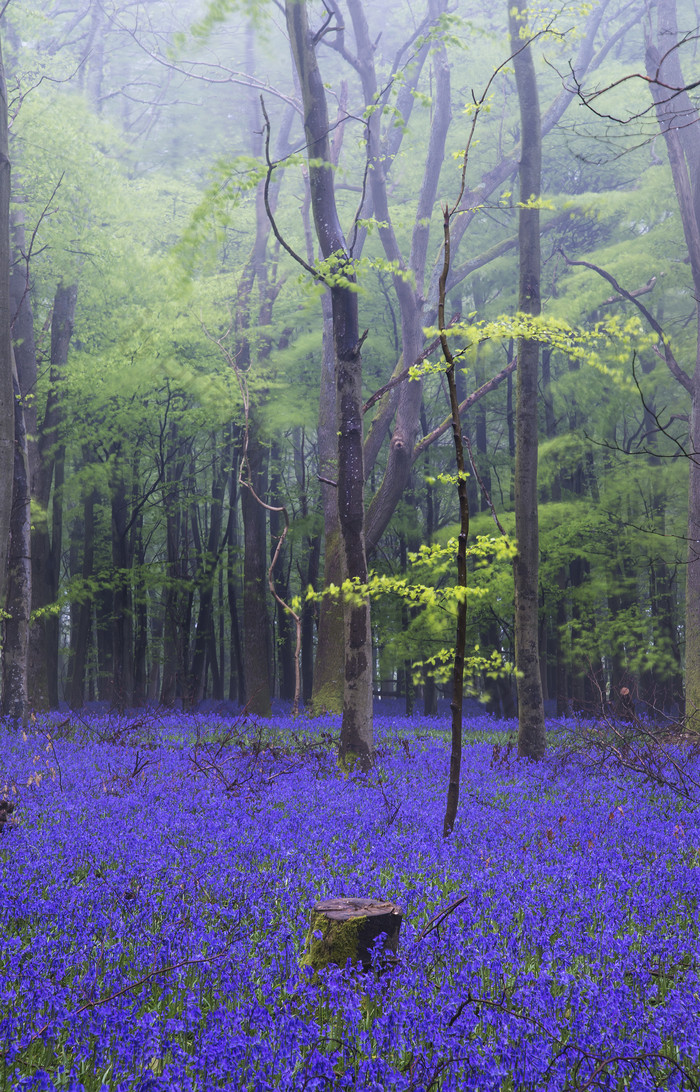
317,276
484,490
651,81
405,374
470,400
673,366
28,256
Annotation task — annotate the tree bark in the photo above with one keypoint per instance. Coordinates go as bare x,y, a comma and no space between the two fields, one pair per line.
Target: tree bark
80,632
308,569
46,490
285,637
356,737
327,694
174,607
122,617
207,563
140,609
237,675
531,730
19,586
256,626
456,704
7,397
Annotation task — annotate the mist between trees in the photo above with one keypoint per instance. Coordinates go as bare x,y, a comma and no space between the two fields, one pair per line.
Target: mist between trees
226,236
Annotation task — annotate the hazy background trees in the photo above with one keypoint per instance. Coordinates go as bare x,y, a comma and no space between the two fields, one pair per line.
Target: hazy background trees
145,272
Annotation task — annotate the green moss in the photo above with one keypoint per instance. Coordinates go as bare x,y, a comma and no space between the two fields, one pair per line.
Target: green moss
338,942
350,762
328,698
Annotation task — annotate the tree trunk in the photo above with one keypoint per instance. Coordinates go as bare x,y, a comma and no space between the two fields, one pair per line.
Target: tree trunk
531,731
122,617
327,693
104,613
285,638
256,626
456,704
140,608
7,397
47,489
173,607
356,736
410,295
80,633
207,562
237,674
19,585
308,619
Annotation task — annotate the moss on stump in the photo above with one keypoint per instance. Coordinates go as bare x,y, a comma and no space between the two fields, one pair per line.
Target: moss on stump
344,928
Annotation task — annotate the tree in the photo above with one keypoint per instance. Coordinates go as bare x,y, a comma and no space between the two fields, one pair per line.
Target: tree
356,740
7,394
531,733
461,633
19,585
146,443
47,464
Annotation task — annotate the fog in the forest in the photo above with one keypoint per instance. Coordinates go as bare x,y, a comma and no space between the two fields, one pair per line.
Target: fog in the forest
176,347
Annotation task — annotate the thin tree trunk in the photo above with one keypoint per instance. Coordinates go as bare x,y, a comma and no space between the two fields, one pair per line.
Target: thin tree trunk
7,397
122,617
285,642
47,490
207,563
356,736
237,674
19,585
531,730
327,694
79,657
461,633
173,640
140,608
256,628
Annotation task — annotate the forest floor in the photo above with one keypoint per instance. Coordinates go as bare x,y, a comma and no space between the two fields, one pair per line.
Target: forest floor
156,888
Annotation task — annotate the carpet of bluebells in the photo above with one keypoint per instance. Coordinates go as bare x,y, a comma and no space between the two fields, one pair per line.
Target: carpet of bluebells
155,892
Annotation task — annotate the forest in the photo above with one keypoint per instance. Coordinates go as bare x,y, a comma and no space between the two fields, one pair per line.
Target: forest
349,544
174,348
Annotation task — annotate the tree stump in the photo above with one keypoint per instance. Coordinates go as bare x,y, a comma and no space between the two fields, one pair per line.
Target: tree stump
343,928
6,809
